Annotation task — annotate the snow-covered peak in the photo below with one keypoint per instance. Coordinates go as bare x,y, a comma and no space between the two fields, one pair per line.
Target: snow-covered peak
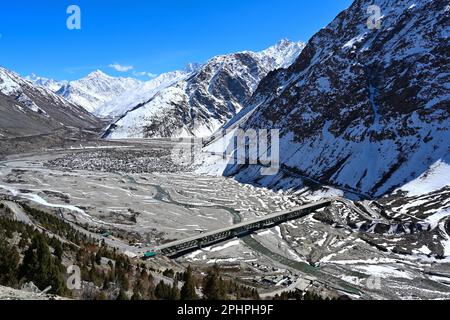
29,108
90,92
101,79
237,65
199,102
281,47
192,67
96,89
22,88
98,74
50,84
282,54
8,82
140,94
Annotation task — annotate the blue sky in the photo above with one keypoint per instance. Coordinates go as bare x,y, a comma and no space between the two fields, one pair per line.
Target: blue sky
153,36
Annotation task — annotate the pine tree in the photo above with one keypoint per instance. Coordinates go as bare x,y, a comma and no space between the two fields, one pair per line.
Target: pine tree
30,263
214,288
136,295
188,289
9,260
174,292
105,285
56,280
139,289
255,295
98,258
122,295
151,293
41,268
123,280
58,250
162,291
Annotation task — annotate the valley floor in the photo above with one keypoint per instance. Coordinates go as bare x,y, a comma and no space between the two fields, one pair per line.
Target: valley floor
136,194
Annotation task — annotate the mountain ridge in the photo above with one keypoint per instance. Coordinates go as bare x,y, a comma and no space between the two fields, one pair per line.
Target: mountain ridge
204,100
96,89
29,109
360,108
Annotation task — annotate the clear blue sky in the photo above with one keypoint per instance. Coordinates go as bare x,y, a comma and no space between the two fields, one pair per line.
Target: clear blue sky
154,36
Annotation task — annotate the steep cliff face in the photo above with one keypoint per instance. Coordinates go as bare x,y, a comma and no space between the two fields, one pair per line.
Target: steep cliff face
362,108
205,99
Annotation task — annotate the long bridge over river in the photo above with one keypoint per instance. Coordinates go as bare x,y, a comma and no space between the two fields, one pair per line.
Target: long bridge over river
209,238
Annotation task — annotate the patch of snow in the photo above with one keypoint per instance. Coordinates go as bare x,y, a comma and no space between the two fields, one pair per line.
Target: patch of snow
223,247
436,178
384,271
351,43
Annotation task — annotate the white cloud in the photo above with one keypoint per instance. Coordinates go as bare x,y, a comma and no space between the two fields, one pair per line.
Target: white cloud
125,68
144,73
120,68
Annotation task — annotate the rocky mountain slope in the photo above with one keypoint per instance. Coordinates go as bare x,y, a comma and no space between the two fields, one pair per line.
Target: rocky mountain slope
7,293
363,114
362,109
96,89
205,99
28,109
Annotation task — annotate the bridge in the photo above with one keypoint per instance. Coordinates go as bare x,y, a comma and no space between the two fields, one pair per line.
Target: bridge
179,247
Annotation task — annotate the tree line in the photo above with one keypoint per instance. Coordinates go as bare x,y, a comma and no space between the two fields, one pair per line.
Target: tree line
41,255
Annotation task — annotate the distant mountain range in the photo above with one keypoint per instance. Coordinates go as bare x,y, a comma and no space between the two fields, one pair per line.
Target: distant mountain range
191,102
361,112
91,92
359,108
198,101
138,95
49,84
28,109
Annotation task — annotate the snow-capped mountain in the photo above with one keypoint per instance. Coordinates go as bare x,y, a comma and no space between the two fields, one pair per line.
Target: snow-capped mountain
199,102
96,89
362,109
281,55
28,109
50,84
136,96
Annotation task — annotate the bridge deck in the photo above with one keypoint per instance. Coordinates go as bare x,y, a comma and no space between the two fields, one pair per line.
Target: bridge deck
211,237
